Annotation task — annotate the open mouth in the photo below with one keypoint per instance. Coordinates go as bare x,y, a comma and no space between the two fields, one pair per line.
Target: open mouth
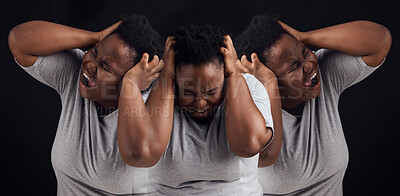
88,82
313,81
200,110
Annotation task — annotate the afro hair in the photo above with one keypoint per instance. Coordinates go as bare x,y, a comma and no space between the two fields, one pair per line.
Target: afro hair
138,34
198,44
258,37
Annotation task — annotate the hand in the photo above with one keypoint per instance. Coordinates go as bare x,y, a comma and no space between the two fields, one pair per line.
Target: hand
102,34
144,72
232,63
295,33
169,58
257,68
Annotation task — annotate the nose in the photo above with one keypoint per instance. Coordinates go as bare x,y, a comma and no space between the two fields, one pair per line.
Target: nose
308,67
91,67
200,101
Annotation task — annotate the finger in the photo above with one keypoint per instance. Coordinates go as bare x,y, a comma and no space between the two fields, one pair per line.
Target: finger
145,58
254,58
158,67
169,45
115,25
154,61
154,76
170,40
245,61
256,61
228,42
228,37
223,50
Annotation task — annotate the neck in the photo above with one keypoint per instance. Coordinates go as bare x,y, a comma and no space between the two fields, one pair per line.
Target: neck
106,107
293,107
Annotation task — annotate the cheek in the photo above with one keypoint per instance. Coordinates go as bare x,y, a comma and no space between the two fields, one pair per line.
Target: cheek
108,80
291,80
291,88
184,102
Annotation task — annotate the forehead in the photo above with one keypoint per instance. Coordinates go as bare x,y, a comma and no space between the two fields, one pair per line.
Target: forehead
200,76
115,51
285,50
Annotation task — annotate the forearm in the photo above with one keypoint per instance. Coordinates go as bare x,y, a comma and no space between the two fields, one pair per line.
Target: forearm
41,38
271,154
144,129
358,38
245,125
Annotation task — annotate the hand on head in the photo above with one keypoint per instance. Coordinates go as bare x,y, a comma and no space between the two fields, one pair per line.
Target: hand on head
256,67
169,58
231,62
145,72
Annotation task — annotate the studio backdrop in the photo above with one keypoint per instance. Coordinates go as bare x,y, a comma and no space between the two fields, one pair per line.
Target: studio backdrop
30,110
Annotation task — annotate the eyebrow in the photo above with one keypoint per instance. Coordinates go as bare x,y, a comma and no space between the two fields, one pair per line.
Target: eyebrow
105,62
95,51
189,91
209,91
304,50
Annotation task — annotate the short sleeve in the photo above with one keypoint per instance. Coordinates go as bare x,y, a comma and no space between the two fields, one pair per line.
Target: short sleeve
342,71
261,100
58,70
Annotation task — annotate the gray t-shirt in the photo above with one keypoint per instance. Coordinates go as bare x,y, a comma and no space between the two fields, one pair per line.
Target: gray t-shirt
85,154
199,161
314,153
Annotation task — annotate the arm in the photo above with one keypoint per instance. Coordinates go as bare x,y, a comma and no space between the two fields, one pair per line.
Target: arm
29,40
367,39
144,130
245,125
270,154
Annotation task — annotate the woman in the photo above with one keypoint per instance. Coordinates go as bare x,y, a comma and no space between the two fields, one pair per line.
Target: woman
85,155
314,153
207,144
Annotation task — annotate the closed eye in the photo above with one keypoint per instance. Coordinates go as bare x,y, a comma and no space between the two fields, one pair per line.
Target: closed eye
294,66
102,65
188,92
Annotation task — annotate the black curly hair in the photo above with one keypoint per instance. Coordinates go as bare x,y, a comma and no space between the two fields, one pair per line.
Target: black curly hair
138,34
258,37
198,44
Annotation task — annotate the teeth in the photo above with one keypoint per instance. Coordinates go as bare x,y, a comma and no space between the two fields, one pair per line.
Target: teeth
315,74
200,111
84,74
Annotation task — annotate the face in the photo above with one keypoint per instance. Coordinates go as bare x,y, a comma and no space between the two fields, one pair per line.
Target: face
102,69
200,89
297,70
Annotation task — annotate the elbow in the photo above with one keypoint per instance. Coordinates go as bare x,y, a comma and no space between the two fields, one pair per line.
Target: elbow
386,40
253,144
246,150
138,150
268,157
13,37
141,157
18,32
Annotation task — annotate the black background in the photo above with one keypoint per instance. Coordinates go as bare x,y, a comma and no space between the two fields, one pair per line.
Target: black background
30,110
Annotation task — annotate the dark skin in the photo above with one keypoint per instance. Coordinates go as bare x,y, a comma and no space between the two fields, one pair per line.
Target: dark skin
200,89
143,136
294,64
270,154
104,64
